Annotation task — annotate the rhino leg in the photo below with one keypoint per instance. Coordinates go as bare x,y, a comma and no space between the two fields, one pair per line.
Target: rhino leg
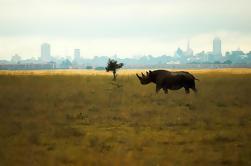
187,90
193,87
165,90
158,88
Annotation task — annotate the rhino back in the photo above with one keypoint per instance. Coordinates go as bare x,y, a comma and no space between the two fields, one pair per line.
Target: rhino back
186,74
158,76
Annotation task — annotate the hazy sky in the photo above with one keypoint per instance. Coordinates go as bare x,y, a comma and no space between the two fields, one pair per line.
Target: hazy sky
124,27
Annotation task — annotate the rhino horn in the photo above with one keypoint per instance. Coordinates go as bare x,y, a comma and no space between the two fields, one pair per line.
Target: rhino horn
138,76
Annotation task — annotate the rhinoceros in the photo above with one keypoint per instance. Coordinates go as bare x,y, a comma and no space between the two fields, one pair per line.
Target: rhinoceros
169,80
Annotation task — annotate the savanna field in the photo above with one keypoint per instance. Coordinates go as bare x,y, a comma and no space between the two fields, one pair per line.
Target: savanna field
79,117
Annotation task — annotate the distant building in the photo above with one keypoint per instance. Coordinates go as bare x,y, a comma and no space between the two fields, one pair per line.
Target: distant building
115,57
28,66
189,51
45,52
201,57
180,56
179,53
16,58
217,47
249,56
76,58
237,56
210,56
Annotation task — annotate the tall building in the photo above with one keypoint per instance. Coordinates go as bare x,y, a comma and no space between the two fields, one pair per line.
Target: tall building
189,51
45,52
76,57
217,47
76,53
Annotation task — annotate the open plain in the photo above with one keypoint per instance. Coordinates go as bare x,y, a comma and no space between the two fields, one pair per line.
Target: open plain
80,117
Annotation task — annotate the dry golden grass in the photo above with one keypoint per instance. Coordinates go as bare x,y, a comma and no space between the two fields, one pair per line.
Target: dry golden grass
121,72
79,118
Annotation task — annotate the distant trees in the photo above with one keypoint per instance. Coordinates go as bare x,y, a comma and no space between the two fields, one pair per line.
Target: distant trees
66,64
113,65
99,68
227,62
89,67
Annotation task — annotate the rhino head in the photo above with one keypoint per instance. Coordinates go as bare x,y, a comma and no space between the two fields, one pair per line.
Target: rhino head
145,79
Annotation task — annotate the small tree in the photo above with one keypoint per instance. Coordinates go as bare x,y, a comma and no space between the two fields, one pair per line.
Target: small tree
113,65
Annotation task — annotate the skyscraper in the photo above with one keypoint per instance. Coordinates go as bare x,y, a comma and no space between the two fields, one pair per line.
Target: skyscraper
76,53
45,52
77,57
189,51
217,47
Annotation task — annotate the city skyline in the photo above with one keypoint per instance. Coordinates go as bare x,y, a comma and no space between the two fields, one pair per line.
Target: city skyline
46,55
127,28
64,52
182,58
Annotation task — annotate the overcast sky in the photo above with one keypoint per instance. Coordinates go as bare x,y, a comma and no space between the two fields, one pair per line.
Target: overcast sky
123,27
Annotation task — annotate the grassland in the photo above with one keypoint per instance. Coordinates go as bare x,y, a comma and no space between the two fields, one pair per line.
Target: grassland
84,118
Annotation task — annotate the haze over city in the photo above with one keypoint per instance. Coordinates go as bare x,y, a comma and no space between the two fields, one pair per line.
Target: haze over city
125,28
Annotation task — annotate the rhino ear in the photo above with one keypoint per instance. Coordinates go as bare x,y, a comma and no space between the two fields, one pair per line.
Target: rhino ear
143,75
147,73
150,71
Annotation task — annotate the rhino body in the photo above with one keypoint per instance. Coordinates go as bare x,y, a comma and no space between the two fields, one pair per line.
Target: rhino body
169,80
